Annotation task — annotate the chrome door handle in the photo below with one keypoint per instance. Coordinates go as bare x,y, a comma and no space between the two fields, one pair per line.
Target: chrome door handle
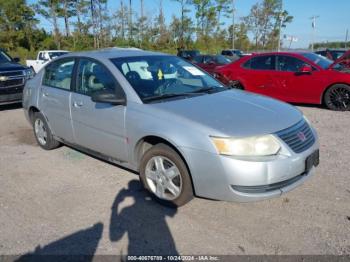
77,104
45,94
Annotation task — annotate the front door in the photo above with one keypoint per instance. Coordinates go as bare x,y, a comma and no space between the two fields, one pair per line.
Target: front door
97,126
293,85
55,97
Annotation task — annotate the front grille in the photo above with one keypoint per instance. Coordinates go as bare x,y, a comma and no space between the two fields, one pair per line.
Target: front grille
298,137
17,73
12,82
12,78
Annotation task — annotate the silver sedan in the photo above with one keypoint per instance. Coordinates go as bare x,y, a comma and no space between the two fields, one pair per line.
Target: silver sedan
184,132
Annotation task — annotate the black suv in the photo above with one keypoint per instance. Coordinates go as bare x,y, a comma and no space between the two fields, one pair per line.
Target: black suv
12,79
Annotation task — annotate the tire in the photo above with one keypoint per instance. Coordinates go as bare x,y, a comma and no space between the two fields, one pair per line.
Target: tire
42,133
161,167
337,97
234,84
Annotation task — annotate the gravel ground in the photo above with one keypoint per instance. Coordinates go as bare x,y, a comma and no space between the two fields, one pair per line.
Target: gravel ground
60,202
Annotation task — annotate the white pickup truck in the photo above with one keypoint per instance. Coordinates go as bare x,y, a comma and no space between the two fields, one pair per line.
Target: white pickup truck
43,58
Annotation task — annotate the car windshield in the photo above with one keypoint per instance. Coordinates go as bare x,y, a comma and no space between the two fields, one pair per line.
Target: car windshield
162,77
318,60
223,60
56,54
4,57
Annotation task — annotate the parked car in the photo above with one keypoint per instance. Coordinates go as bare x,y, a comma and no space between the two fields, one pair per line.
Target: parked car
188,54
343,62
210,62
182,130
299,77
43,58
332,54
234,53
12,78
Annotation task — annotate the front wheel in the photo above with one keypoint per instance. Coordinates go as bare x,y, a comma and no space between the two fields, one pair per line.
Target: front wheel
337,97
164,174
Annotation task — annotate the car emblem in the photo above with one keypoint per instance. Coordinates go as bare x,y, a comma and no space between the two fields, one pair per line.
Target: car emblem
3,78
302,136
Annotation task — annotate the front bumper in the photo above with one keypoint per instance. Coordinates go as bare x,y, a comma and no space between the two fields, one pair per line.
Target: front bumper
11,95
229,179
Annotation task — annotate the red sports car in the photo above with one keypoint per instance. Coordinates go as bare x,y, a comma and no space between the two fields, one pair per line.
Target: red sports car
292,77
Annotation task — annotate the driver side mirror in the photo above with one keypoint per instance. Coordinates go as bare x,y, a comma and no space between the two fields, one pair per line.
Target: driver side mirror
305,69
108,97
16,59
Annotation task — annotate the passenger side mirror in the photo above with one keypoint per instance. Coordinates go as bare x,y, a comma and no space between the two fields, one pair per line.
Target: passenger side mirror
108,97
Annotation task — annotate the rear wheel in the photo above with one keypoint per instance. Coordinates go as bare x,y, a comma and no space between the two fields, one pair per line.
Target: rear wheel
164,174
43,133
337,97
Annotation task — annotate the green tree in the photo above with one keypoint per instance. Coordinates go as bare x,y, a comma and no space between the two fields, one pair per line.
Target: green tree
265,20
50,10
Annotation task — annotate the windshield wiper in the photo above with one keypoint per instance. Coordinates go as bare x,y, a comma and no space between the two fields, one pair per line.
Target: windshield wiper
208,90
164,96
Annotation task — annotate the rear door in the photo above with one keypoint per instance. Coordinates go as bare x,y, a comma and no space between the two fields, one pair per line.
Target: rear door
258,75
55,97
98,126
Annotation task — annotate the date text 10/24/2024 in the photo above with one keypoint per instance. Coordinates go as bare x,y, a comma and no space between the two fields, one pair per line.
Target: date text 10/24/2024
173,258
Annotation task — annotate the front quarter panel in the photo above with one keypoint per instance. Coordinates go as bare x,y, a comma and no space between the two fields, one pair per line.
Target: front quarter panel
142,121
31,93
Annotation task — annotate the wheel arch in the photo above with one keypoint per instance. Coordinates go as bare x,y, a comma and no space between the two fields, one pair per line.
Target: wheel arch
31,111
147,142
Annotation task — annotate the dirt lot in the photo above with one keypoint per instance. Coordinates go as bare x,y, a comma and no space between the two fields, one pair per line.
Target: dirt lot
61,201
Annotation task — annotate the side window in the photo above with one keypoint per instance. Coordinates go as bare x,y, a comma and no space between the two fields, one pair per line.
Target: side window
208,59
92,77
41,56
261,63
59,74
289,64
198,59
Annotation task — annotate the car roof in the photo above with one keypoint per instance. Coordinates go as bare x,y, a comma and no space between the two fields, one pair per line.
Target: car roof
332,49
54,51
115,52
283,53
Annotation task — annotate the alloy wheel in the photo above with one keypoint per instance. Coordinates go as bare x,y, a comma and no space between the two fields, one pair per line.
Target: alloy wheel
40,131
163,178
340,98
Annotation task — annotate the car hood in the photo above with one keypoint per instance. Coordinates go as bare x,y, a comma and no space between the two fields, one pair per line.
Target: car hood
8,66
344,58
234,113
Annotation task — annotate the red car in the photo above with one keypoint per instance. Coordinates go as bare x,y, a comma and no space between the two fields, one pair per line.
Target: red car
292,77
211,62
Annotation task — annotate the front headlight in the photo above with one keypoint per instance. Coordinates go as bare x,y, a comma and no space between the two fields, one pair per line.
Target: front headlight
251,146
29,73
